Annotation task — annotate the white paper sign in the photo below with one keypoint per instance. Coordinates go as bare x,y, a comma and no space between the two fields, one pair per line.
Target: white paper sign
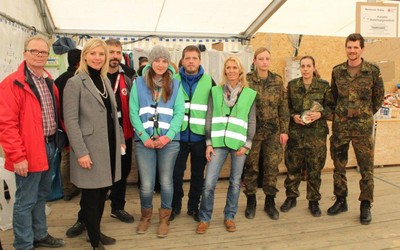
378,21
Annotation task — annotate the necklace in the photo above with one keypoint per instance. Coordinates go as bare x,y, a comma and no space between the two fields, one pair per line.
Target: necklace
104,94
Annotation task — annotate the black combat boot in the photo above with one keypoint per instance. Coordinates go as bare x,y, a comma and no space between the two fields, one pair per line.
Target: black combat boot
365,212
251,206
339,206
269,207
289,203
313,206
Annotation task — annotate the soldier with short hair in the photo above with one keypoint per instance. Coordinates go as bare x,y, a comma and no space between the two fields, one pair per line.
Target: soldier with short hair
358,91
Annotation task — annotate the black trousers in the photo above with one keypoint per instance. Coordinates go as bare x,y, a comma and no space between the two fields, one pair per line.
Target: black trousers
198,162
118,189
92,208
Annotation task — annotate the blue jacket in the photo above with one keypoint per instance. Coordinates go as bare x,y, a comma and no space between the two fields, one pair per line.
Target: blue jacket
189,84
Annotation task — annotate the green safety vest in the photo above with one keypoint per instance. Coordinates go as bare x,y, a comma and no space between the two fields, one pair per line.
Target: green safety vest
196,109
229,125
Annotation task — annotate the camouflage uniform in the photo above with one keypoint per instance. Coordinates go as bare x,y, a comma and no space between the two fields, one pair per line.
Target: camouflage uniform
357,99
307,143
272,120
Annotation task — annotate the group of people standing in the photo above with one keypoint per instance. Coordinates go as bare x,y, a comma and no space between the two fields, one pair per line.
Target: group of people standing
172,114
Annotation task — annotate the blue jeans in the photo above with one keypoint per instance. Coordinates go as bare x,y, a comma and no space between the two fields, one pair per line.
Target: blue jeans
213,170
29,217
147,161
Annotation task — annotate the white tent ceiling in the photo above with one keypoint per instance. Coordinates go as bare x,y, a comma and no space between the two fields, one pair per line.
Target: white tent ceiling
317,17
222,18
144,17
207,17
189,18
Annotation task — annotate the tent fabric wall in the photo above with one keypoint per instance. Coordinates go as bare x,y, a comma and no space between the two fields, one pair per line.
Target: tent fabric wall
12,46
23,11
13,35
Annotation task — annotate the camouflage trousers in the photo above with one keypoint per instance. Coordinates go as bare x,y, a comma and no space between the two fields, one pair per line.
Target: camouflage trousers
364,151
272,153
313,159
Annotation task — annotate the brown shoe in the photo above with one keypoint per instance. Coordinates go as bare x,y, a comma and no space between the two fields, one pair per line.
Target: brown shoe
230,225
202,227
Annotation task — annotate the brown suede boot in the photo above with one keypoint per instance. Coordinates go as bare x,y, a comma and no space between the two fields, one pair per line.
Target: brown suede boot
144,222
164,223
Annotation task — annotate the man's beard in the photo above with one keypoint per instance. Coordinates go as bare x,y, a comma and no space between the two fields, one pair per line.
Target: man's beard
114,63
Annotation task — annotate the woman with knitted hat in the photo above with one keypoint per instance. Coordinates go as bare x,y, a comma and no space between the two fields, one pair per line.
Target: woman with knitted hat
156,111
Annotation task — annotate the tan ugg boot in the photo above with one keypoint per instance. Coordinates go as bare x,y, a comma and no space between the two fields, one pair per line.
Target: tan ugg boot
164,223
144,222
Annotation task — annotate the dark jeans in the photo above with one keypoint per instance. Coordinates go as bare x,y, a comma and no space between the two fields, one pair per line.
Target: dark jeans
198,162
118,189
92,207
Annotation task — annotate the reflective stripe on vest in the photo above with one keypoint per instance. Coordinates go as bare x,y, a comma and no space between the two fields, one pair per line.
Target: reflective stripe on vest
148,108
196,109
229,126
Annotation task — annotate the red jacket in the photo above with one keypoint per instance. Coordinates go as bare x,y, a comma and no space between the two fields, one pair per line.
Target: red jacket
21,127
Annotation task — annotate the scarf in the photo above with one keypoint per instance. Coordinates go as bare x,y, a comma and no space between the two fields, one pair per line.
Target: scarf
231,94
123,95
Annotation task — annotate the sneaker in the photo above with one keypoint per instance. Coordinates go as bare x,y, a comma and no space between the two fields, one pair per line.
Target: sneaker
202,227
230,225
49,241
123,216
194,214
76,229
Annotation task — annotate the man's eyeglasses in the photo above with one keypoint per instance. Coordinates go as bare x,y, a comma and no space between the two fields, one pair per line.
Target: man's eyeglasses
36,52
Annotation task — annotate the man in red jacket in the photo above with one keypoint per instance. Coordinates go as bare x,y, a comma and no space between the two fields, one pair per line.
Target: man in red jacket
28,135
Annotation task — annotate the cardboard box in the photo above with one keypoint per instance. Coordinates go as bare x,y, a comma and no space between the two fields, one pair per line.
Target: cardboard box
218,46
387,70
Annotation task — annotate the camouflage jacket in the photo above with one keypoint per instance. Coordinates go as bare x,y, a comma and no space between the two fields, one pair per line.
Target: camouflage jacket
357,98
301,99
271,102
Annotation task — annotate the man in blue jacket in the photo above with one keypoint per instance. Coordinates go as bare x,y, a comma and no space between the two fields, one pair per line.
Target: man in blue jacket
196,85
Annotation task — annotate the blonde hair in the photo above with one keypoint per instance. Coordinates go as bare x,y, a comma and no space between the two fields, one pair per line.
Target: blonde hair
36,37
261,50
90,45
242,76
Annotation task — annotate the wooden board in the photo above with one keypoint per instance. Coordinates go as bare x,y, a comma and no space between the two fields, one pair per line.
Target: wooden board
296,229
387,149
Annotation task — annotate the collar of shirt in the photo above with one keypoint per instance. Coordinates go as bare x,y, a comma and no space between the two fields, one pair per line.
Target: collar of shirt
44,74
